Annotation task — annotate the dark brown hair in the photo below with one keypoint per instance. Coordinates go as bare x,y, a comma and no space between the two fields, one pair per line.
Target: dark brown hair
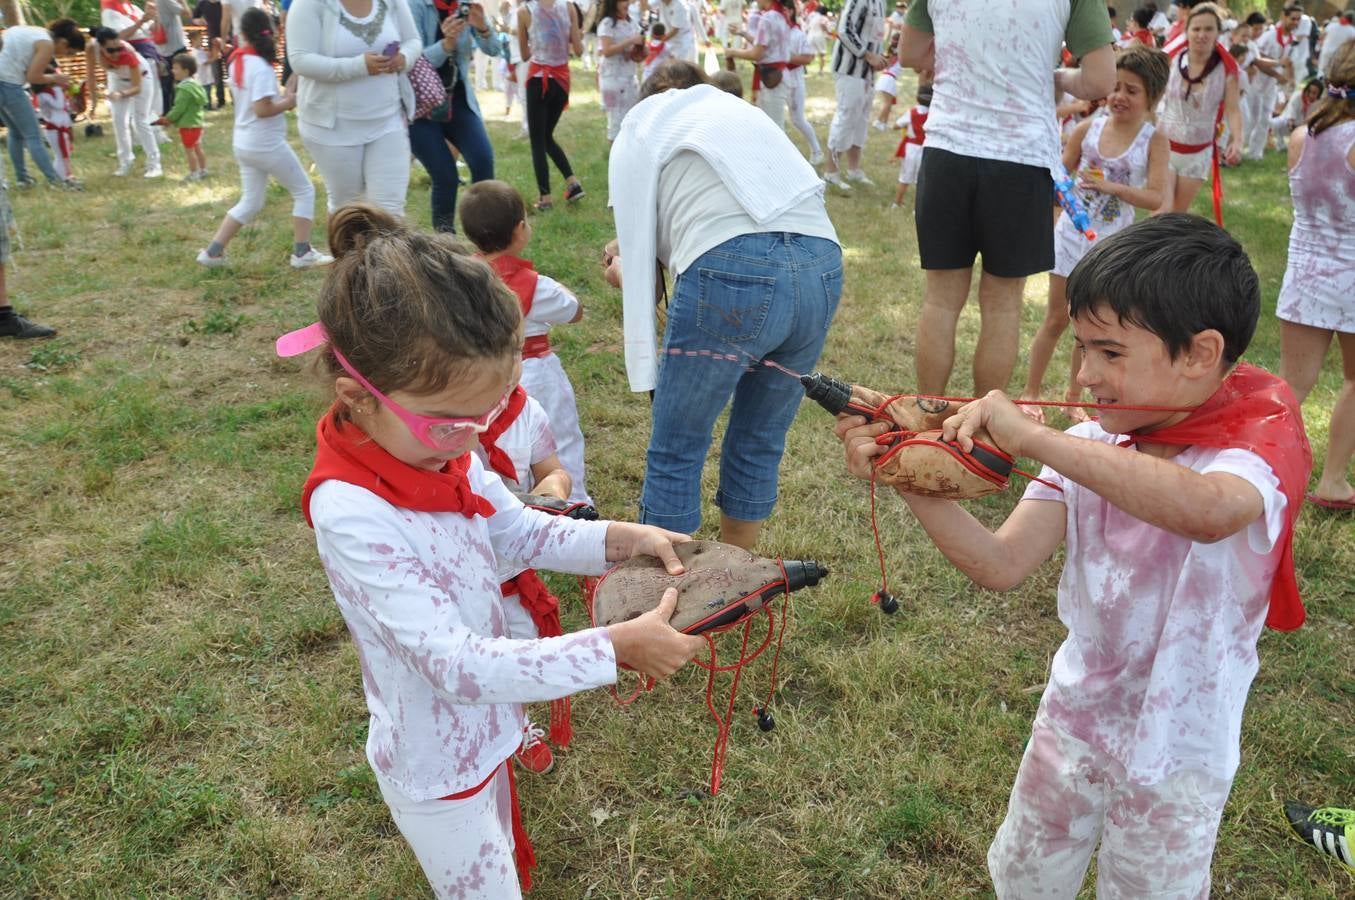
257,29
1332,110
490,211
68,31
672,75
1152,67
410,310
185,61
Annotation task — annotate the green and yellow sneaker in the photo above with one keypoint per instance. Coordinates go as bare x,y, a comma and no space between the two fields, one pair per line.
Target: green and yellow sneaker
1330,829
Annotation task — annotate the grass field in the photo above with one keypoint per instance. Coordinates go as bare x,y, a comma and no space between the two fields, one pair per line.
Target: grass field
180,705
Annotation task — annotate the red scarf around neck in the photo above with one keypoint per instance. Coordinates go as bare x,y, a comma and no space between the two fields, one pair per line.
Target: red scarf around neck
237,62
500,461
344,452
520,276
1257,411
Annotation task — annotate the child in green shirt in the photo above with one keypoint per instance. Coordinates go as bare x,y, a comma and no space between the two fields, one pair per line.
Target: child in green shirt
187,113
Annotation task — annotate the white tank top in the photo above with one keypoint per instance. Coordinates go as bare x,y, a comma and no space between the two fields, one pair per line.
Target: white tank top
1130,167
1189,111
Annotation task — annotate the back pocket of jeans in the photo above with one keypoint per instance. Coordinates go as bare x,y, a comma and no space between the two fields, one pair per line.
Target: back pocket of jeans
832,294
733,307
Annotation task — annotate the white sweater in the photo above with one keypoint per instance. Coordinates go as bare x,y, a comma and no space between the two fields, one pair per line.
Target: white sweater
755,160
420,595
312,28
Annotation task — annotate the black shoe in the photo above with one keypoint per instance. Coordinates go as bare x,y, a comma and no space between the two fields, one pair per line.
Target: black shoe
19,327
574,192
1329,829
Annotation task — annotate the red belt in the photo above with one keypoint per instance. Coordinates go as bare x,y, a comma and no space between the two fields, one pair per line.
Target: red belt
523,854
63,138
536,346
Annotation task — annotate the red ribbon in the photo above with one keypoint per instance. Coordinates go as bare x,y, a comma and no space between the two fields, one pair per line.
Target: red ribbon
344,452
544,608
499,460
524,856
63,138
237,63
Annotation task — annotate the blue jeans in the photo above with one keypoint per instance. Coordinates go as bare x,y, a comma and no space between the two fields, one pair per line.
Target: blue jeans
16,111
429,139
755,297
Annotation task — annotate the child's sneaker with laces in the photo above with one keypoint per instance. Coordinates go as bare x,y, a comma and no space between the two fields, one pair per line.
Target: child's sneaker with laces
534,755
835,179
211,262
1330,829
859,176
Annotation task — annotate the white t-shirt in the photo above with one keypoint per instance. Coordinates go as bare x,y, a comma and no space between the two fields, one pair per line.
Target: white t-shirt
171,16
124,17
618,66
697,212
993,97
120,77
773,33
1162,631
677,15
17,54
527,442
419,592
251,132
552,304
1336,36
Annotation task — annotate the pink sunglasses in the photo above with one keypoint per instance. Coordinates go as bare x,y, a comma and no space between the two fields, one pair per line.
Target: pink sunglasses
431,431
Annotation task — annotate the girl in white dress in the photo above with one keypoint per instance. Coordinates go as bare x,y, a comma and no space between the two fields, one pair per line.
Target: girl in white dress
1317,298
618,74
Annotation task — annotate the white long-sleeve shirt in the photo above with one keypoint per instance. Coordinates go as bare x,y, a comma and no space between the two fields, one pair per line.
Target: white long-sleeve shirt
420,594
756,163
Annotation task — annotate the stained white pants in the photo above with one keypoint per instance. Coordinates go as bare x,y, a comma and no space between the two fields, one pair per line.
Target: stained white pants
464,846
378,171
1156,840
62,165
773,101
133,116
618,96
851,120
544,379
255,169
796,105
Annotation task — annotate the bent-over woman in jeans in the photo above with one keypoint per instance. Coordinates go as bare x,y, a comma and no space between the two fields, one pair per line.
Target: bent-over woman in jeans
720,196
548,32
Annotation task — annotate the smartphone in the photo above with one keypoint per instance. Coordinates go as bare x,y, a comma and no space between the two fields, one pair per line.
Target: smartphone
391,49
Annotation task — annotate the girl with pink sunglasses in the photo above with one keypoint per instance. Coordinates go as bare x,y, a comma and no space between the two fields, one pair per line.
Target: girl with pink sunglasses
423,345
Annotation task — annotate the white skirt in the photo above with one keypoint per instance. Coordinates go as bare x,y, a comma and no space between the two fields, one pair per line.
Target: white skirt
1319,283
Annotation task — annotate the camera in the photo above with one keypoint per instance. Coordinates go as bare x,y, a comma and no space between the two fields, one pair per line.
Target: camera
463,10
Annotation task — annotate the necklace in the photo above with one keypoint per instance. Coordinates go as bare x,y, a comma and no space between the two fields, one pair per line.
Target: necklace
368,31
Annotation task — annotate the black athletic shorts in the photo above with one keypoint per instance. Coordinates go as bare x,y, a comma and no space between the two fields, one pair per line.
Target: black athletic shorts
967,206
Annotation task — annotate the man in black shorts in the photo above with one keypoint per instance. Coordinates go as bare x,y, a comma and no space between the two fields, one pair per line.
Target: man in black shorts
984,186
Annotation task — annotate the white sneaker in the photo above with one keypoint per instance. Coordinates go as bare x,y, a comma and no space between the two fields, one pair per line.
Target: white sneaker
122,170
860,177
816,157
835,179
311,259
160,136
211,262
878,125
155,172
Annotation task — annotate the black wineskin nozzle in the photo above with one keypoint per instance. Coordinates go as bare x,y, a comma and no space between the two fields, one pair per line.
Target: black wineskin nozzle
827,391
803,573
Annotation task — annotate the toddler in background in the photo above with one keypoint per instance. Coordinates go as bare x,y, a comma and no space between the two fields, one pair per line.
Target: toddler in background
915,134
54,115
494,218
656,47
887,89
188,113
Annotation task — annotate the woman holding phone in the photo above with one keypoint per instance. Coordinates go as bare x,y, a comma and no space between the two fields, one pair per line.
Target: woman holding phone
352,103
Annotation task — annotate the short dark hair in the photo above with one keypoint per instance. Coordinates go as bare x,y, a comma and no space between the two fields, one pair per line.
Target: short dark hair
1175,275
1142,16
1111,11
1257,18
185,61
672,75
1293,8
103,35
490,211
729,82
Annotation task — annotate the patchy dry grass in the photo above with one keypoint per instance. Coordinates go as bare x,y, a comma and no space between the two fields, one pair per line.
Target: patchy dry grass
180,709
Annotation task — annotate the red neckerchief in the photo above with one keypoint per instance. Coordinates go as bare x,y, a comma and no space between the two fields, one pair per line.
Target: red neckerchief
447,6
237,63
1144,36
499,460
121,6
544,608
125,57
344,452
519,275
1257,411
655,48
917,118
1282,37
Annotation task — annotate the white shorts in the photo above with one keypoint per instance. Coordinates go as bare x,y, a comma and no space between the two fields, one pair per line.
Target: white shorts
1155,840
911,162
1193,165
851,121
887,84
